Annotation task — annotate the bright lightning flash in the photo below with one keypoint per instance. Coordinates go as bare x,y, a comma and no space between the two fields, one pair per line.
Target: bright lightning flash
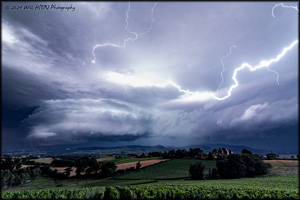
196,96
132,39
262,64
281,4
187,95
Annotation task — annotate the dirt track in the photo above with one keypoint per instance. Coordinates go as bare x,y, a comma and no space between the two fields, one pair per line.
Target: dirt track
143,163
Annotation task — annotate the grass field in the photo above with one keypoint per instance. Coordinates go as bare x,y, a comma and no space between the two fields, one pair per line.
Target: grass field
173,169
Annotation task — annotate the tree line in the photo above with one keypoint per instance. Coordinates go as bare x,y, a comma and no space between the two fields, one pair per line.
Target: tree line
195,153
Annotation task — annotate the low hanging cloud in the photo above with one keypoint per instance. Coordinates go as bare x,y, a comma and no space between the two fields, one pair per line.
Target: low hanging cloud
262,117
71,118
253,111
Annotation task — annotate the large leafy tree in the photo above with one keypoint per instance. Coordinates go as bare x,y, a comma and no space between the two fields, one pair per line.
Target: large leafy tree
241,165
138,166
272,156
197,171
108,169
246,151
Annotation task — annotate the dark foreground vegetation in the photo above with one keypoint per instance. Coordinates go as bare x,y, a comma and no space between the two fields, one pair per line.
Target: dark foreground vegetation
155,192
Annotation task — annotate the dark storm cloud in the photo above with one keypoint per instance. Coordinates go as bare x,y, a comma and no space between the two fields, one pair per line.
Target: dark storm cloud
69,120
47,62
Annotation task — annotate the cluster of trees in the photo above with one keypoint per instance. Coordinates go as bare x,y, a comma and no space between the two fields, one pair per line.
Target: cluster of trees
272,156
241,165
179,153
12,174
84,166
197,171
197,153
234,166
65,162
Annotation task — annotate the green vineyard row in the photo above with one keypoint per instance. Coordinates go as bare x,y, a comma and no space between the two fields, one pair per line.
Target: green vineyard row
154,192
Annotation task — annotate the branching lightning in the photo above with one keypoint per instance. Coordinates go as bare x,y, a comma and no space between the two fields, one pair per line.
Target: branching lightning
262,64
188,95
281,4
223,66
132,39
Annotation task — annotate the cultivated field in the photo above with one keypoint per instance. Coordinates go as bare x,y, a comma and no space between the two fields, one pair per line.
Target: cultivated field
252,188
173,169
168,180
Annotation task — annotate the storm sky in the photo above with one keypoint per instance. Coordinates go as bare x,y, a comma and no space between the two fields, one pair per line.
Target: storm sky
153,64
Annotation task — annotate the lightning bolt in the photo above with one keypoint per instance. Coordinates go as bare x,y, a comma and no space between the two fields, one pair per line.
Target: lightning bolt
261,65
281,4
132,39
188,95
223,66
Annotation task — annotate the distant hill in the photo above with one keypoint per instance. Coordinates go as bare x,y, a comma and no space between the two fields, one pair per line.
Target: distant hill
131,149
